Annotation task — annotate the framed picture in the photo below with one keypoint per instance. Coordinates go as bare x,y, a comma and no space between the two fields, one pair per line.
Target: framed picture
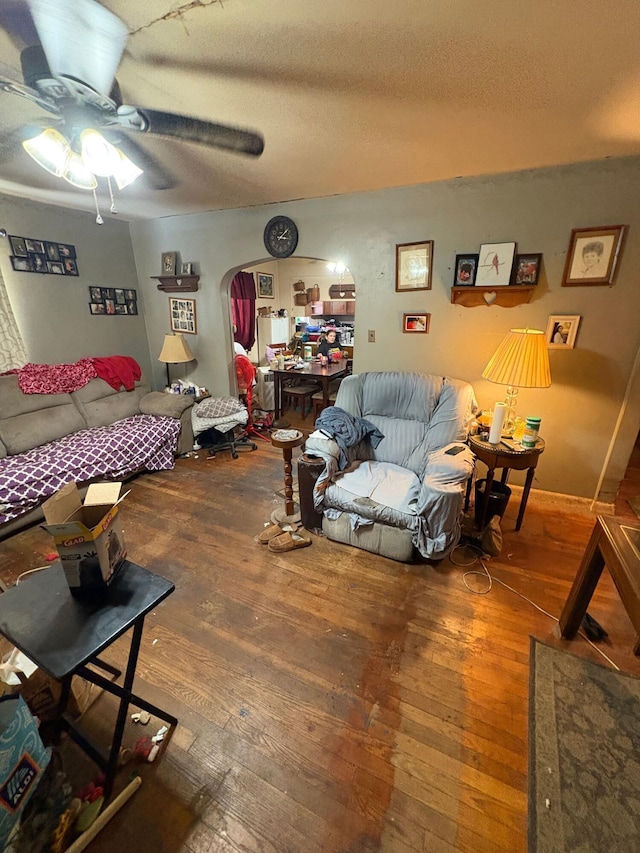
110,306
120,298
265,286
562,330
466,270
414,262
527,269
109,293
415,323
21,264
121,309
185,269
132,306
97,308
38,262
168,263
182,316
130,294
55,268
495,264
70,266
66,251
34,245
18,246
51,250
95,294
593,255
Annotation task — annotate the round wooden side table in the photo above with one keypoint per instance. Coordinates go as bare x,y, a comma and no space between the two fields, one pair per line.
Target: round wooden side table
286,440
508,455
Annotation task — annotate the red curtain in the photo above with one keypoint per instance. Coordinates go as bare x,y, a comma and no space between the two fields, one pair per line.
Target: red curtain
243,308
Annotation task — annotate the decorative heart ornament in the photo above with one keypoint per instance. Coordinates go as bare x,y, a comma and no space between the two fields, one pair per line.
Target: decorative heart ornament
490,298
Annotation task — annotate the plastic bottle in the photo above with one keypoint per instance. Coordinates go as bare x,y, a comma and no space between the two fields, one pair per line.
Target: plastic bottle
531,430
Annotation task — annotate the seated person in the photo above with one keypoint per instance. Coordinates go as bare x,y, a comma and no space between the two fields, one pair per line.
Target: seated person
330,344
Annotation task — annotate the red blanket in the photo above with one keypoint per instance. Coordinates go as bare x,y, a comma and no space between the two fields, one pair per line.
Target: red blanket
117,370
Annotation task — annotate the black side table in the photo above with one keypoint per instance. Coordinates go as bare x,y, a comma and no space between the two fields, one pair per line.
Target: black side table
507,455
62,634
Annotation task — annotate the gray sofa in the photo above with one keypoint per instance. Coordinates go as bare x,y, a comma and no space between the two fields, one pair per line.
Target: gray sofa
29,421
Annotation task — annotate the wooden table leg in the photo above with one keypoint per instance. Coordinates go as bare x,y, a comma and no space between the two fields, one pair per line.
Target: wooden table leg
525,497
583,586
289,507
277,394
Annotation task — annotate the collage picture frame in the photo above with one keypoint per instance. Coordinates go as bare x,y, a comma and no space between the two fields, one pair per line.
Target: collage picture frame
113,301
182,315
42,256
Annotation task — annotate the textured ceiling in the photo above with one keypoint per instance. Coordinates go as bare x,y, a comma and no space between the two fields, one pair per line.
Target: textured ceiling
355,95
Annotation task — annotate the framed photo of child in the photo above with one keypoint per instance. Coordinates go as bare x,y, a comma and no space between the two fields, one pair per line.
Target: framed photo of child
593,255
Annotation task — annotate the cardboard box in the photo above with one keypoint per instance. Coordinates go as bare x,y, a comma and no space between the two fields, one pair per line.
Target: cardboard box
88,535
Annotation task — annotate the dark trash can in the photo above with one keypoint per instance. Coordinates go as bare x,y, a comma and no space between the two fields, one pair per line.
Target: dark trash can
498,500
309,469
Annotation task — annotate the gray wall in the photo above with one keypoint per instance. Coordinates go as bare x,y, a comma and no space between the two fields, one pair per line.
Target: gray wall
537,209
53,311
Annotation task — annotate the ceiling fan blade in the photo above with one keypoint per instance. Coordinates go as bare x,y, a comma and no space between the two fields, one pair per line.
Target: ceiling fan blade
192,129
15,88
155,174
80,39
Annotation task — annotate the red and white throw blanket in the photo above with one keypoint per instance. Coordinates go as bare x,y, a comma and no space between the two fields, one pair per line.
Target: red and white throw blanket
117,370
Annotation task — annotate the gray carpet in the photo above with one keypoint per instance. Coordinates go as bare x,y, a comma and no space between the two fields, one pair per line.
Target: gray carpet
584,756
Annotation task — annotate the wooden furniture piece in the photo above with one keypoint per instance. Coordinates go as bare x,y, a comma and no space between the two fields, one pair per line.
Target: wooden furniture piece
63,635
614,543
508,456
291,511
177,283
314,372
471,296
292,394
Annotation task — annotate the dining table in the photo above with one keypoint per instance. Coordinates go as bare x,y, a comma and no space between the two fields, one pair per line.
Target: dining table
313,371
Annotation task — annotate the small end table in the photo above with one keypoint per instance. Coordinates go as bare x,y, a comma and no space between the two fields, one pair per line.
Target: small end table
507,455
63,635
615,543
290,514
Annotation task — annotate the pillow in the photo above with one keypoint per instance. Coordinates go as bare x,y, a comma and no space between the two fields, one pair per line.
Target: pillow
218,407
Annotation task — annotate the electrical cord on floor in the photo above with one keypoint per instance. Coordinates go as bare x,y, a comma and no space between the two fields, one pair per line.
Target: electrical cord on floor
485,573
29,572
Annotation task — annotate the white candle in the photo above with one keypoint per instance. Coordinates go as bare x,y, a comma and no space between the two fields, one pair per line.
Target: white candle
499,414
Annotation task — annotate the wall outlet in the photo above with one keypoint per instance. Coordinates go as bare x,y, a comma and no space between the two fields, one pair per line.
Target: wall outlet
371,336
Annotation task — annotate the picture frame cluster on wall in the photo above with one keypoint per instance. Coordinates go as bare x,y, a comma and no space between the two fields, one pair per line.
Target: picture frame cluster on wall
42,256
497,265
182,315
113,301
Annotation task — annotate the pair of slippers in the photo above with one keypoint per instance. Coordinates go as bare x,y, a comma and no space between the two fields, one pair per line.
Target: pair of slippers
279,540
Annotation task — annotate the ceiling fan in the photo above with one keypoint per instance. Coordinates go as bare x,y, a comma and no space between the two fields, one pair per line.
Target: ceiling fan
70,74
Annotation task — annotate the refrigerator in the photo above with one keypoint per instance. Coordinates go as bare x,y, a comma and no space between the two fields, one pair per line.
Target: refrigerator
271,330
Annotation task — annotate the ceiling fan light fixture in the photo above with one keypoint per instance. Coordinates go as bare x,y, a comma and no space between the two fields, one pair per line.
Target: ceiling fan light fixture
50,150
126,171
76,173
98,155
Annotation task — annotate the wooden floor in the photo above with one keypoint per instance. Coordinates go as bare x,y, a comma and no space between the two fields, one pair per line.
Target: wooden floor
329,699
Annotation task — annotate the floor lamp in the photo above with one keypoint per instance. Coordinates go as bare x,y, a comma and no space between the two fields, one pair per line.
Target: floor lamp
521,361
175,350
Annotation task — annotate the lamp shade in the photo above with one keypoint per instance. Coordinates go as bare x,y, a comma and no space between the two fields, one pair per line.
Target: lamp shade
521,360
175,350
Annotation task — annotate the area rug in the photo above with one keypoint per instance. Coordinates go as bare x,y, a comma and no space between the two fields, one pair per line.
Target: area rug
584,756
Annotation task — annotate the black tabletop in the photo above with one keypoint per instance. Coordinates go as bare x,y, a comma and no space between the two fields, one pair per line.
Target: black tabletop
60,632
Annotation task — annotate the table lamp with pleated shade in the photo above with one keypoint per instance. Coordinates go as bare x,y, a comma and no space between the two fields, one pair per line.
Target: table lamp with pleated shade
521,361
175,350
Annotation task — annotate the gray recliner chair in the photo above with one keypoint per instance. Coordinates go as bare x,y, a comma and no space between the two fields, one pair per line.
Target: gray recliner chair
405,494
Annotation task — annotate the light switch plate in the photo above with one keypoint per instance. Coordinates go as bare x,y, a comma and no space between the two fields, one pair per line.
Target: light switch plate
371,336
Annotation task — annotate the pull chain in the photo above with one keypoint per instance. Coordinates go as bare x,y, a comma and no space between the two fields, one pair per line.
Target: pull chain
99,219
113,204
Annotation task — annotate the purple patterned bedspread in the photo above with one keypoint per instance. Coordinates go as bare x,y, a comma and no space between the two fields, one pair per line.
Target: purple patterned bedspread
114,452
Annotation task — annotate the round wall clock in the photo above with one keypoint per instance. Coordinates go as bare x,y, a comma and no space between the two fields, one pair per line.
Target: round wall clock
281,237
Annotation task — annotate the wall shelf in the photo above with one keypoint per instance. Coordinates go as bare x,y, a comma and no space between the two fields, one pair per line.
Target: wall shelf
177,283
506,296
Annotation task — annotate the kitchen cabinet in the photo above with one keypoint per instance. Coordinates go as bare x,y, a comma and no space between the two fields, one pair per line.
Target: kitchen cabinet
331,308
